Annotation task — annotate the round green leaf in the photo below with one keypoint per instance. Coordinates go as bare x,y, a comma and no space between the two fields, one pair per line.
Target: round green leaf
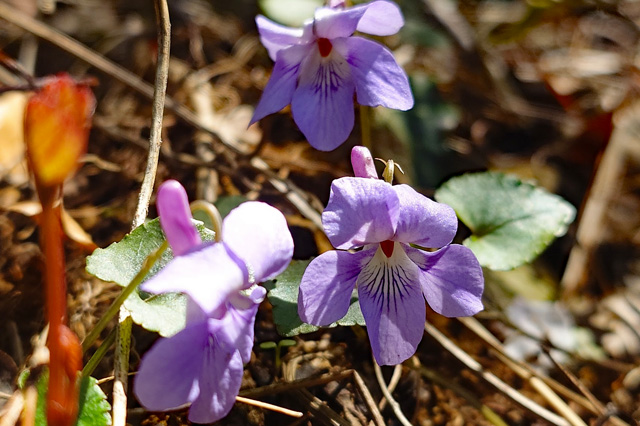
93,408
283,295
511,221
121,261
164,313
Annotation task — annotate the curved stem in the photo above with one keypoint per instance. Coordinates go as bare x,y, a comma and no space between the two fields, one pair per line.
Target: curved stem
126,292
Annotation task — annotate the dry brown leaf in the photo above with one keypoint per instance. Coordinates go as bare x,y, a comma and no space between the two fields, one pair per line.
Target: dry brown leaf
70,226
12,164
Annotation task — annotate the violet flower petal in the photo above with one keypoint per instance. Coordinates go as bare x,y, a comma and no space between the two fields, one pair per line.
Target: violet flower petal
451,280
378,78
283,82
377,18
220,378
240,319
208,275
258,234
423,221
381,18
175,217
360,211
276,37
362,163
322,104
335,23
392,305
327,284
169,371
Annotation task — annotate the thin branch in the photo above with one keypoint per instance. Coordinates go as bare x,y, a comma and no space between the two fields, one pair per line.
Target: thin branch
123,336
297,384
395,379
268,406
385,391
157,112
98,61
536,382
434,376
368,399
493,379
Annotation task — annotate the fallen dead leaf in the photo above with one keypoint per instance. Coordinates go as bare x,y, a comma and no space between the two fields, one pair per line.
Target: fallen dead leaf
12,163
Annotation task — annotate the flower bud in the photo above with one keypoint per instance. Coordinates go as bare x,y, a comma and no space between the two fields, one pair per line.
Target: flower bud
56,129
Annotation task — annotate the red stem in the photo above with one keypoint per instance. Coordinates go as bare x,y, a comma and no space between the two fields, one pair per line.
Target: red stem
65,355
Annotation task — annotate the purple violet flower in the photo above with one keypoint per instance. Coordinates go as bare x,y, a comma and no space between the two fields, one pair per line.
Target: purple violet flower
319,67
203,363
380,231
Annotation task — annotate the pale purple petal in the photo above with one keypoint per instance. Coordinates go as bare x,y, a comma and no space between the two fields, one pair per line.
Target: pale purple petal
451,280
381,18
362,163
208,275
175,217
220,378
360,211
336,4
377,18
423,221
276,37
327,284
378,78
322,105
240,319
334,23
169,371
258,234
392,305
283,82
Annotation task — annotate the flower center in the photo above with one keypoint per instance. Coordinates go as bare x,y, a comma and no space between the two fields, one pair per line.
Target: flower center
387,247
324,46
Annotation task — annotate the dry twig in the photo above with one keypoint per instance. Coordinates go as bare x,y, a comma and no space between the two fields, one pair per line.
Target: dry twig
123,335
491,378
385,391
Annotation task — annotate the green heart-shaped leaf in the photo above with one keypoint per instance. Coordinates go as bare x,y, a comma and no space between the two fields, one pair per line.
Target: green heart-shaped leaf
512,221
93,408
283,295
121,261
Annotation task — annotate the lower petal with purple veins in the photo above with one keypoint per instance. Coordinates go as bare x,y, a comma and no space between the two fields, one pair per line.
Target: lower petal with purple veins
392,305
170,370
327,284
322,104
451,280
220,378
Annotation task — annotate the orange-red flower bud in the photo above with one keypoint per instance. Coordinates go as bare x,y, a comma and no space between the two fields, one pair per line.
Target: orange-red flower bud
56,129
